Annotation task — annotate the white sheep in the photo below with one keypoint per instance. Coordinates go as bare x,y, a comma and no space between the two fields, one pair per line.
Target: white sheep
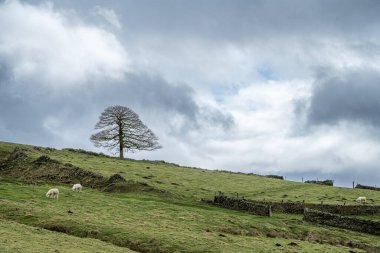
53,193
361,199
77,187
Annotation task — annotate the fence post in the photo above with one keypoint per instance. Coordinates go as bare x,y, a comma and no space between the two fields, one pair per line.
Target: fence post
270,210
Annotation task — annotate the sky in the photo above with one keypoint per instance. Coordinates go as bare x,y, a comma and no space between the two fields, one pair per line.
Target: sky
269,87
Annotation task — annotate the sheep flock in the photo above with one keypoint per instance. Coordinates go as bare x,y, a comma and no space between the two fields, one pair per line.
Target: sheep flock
54,192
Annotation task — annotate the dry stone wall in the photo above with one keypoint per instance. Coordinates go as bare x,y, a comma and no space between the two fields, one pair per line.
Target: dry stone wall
298,207
242,205
329,219
328,182
360,186
262,207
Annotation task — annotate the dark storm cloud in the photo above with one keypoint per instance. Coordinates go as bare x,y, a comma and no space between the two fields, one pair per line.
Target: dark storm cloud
352,95
151,93
5,72
146,94
20,117
154,92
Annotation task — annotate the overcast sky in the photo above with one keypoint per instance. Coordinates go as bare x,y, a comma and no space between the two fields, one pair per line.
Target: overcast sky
270,87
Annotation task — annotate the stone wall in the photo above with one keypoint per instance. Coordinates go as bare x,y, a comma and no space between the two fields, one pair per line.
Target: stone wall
328,182
298,207
262,207
282,207
329,219
346,210
360,186
242,205
275,177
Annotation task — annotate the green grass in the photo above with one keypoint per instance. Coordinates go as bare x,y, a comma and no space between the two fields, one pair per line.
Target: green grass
200,183
179,222
16,237
143,222
375,217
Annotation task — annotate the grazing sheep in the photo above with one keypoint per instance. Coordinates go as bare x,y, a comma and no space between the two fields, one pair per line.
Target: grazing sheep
53,193
77,187
361,199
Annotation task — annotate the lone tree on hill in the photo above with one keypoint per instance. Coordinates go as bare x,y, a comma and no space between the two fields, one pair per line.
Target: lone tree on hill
121,128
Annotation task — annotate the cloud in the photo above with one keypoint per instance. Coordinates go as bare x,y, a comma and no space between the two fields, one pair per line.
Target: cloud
44,45
109,15
240,21
349,95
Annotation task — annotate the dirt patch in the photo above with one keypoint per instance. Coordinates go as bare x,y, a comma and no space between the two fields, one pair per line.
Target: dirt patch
240,231
57,228
18,154
231,230
116,178
44,159
133,186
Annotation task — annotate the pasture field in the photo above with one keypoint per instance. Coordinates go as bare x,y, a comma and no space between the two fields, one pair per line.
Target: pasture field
98,221
16,237
201,183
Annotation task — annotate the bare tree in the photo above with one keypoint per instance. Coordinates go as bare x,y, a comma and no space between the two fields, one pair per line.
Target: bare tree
122,128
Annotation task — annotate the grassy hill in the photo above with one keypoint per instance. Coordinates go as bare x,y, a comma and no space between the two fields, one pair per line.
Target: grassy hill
160,211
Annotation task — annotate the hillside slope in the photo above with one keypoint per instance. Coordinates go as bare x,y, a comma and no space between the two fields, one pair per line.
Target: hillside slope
201,183
161,211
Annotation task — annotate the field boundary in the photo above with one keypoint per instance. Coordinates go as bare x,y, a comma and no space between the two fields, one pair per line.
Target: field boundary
242,205
360,186
265,208
335,220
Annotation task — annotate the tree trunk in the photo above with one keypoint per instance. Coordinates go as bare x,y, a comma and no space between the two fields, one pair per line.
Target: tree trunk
121,151
121,143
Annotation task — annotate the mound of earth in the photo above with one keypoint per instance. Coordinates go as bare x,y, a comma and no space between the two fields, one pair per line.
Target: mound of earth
116,178
45,169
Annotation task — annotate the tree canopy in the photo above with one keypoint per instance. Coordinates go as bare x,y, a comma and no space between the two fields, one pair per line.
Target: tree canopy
121,128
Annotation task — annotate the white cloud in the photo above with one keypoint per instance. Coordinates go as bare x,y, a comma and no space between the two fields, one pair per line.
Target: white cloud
41,43
264,141
109,15
267,108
